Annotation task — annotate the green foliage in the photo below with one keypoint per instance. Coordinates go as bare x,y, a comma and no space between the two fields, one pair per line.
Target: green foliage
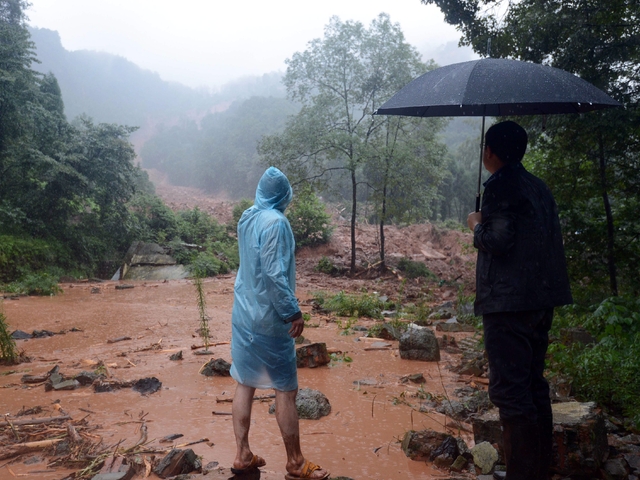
326,266
8,349
415,269
207,264
238,210
589,161
345,305
310,222
335,142
39,283
608,371
19,255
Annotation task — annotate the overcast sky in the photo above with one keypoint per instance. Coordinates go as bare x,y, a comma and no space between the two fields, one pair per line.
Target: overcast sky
210,42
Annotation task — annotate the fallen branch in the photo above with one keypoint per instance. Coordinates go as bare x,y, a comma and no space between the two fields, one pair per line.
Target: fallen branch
22,448
36,421
221,413
196,347
257,397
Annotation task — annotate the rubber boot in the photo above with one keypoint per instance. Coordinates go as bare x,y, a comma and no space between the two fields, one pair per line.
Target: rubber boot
522,450
545,429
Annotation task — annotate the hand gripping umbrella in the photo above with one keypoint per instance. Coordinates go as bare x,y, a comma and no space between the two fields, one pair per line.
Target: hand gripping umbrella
493,87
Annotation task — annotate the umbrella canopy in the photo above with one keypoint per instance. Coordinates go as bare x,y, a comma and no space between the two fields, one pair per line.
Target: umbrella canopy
495,87
492,87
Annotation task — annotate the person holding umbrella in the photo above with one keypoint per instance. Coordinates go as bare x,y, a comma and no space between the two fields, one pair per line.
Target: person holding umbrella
521,276
265,320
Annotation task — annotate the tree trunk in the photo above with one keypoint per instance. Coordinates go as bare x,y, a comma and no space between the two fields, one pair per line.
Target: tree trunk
610,226
383,215
354,186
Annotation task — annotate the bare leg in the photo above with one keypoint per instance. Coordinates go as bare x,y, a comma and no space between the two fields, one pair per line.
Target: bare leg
287,417
241,410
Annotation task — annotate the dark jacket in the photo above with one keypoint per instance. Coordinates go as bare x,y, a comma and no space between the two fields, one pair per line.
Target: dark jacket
521,263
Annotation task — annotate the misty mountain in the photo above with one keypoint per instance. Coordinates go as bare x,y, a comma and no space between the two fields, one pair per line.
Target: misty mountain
109,88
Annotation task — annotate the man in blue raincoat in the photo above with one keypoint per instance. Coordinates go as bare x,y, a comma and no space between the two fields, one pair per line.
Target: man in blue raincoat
265,321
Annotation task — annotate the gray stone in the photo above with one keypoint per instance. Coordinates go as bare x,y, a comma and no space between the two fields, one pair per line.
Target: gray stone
484,456
616,469
459,464
486,428
310,404
454,327
217,367
420,445
633,459
87,378
177,462
66,385
419,343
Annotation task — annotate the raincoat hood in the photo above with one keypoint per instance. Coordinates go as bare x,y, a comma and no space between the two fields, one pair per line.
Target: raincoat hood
274,191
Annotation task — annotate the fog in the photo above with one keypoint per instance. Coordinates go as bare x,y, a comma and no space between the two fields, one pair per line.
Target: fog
207,43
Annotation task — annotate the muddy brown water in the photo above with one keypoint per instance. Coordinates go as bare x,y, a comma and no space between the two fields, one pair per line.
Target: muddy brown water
359,439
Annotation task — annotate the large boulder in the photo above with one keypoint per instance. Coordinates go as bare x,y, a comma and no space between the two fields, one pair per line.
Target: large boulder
419,343
580,442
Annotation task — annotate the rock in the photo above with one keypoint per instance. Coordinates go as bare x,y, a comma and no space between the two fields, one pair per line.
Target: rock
124,286
616,469
484,456
459,464
633,460
310,404
42,334
147,386
486,428
312,355
95,290
20,335
150,261
419,343
419,445
389,332
177,462
66,385
216,368
176,356
115,468
454,327
580,439
414,378
87,378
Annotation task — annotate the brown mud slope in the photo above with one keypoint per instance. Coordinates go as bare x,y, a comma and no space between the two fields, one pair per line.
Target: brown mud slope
358,439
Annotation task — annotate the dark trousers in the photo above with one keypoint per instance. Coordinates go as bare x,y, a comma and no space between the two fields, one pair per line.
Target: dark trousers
516,344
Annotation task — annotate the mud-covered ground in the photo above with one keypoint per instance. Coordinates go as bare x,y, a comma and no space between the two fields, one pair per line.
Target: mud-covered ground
358,439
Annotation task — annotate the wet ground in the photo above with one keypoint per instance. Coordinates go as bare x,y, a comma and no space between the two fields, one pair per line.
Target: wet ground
359,439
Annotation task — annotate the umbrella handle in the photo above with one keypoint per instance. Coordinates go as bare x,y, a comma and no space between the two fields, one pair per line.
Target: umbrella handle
480,166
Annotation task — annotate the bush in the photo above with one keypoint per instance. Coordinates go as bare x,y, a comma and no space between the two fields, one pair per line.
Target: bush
326,266
310,222
607,372
19,256
238,210
415,269
40,283
8,350
344,305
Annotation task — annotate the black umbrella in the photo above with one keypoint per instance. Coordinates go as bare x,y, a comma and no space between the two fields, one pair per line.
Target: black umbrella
494,87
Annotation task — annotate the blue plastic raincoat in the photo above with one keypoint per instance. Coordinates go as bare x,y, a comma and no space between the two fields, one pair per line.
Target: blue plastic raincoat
263,352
